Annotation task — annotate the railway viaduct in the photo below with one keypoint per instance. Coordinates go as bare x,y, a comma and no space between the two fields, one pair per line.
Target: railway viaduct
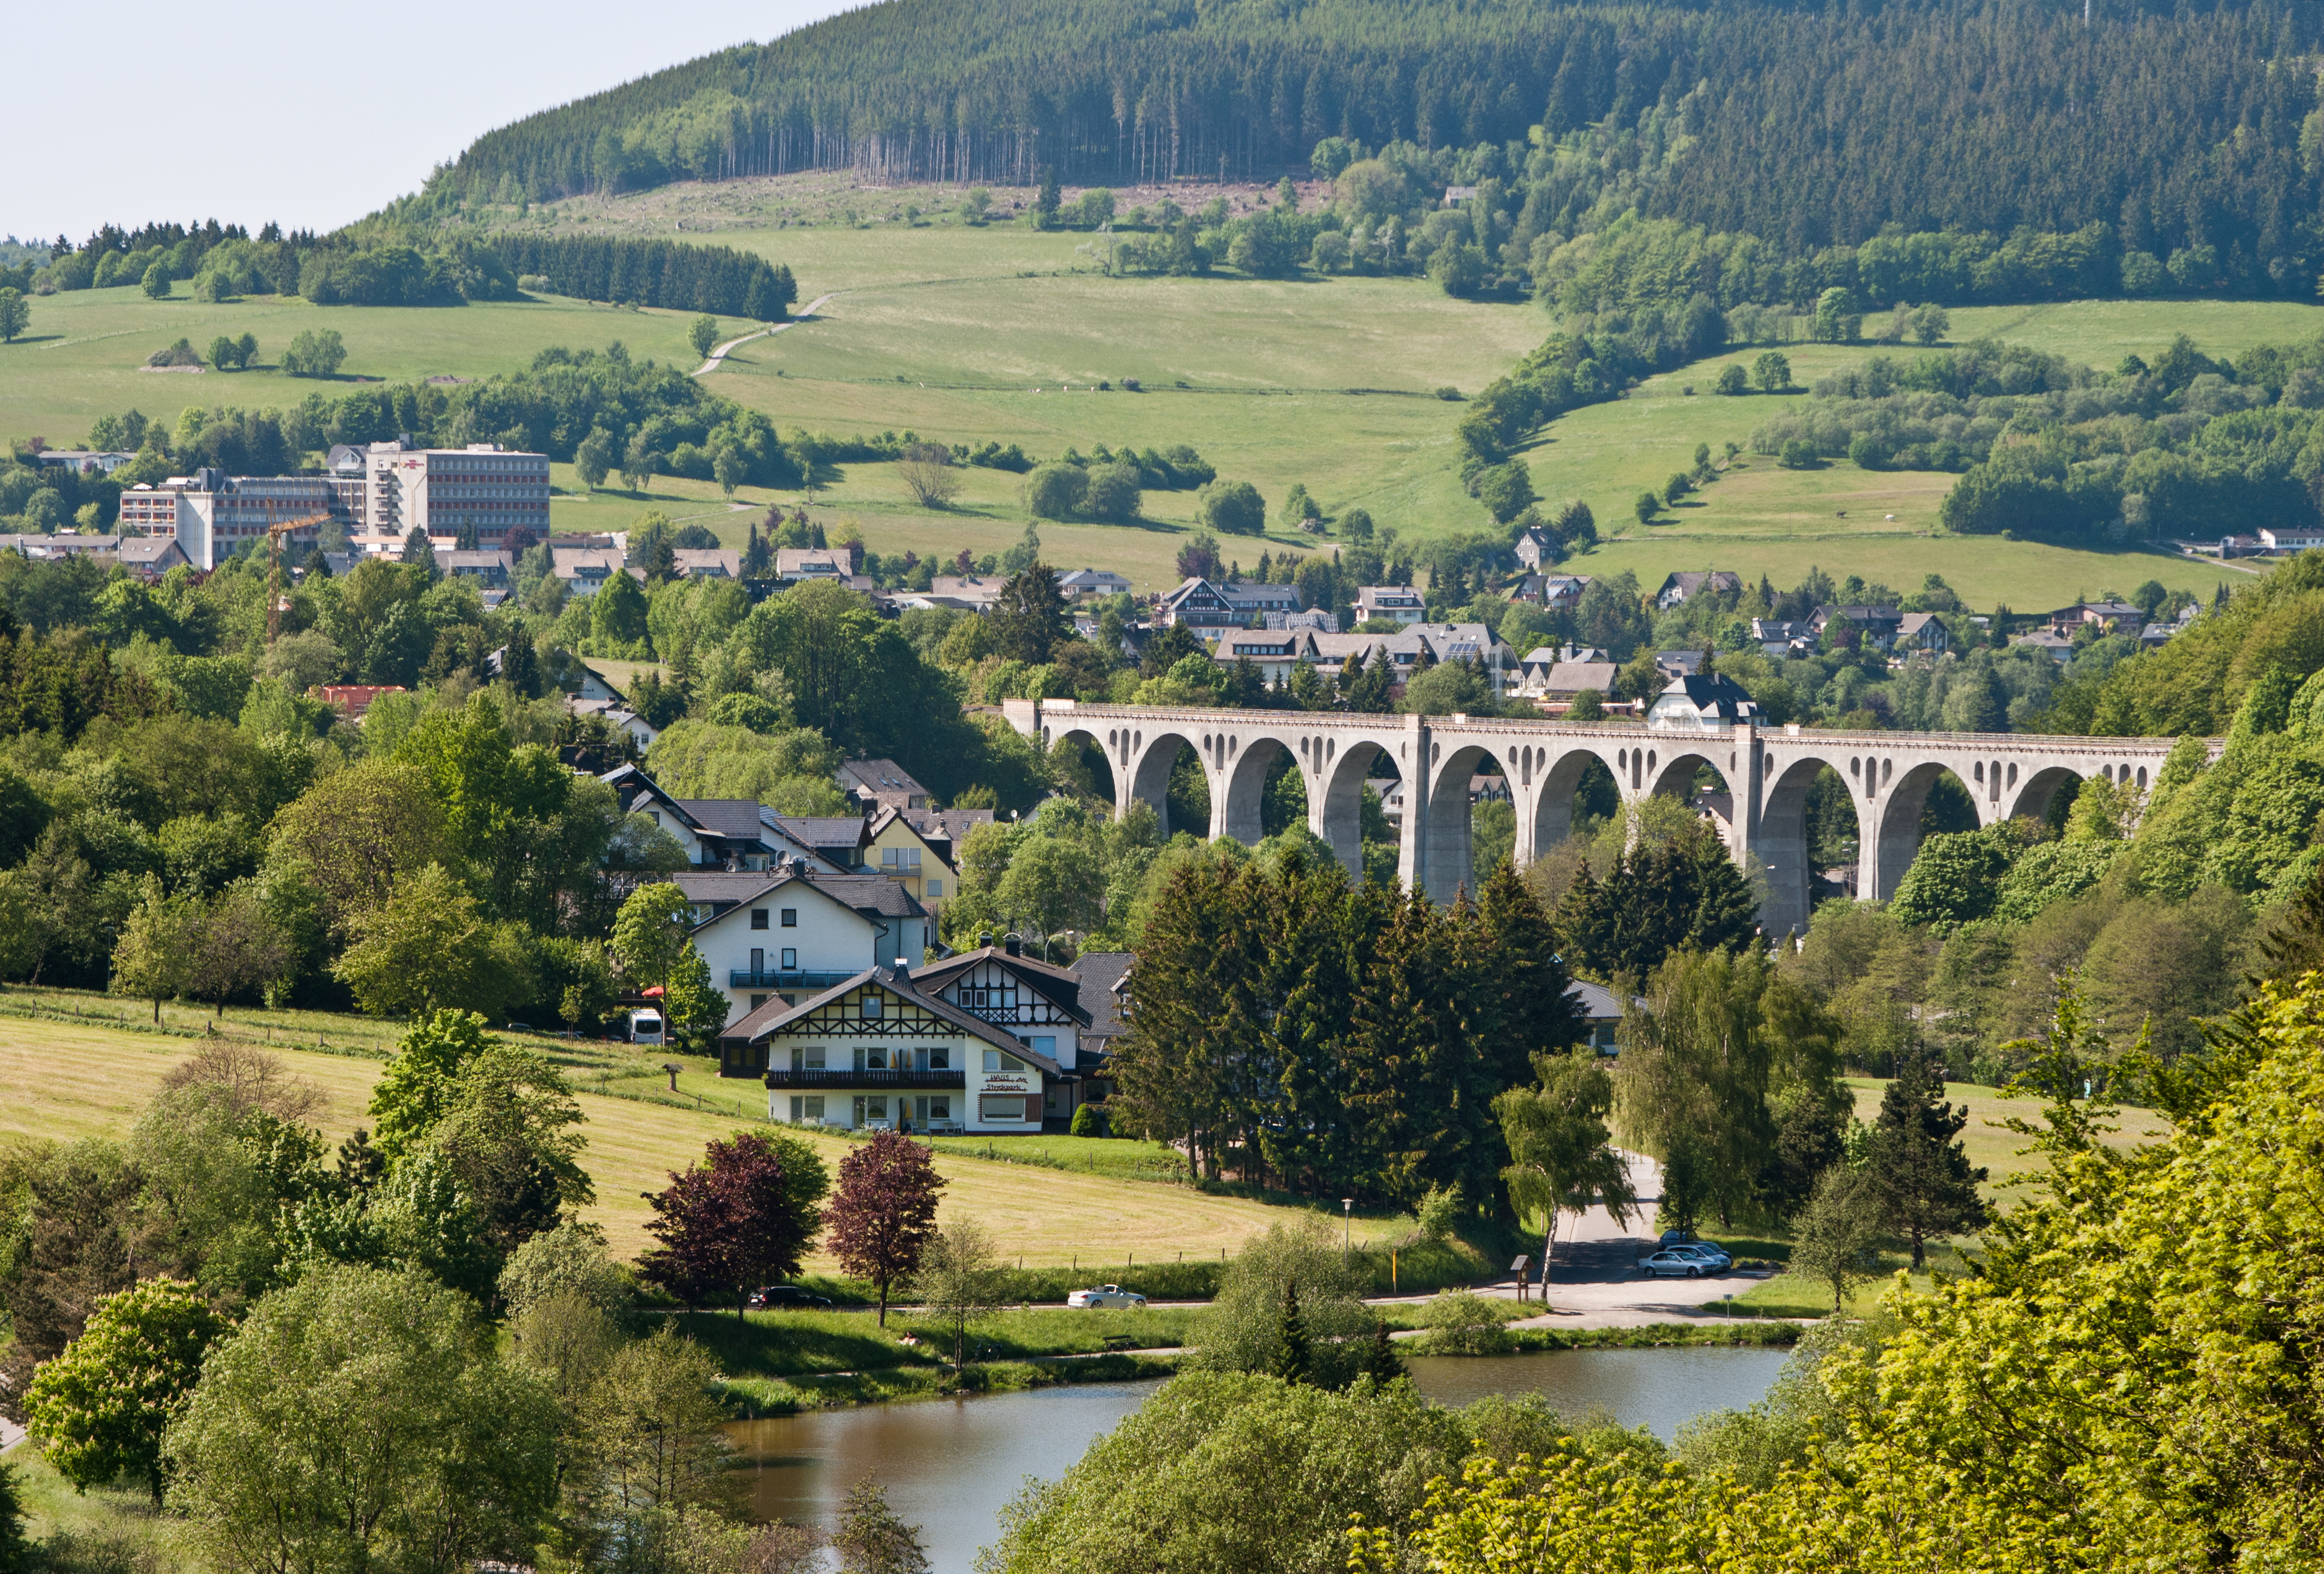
1767,771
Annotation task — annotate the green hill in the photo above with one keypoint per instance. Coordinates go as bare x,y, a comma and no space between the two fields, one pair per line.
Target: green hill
2186,135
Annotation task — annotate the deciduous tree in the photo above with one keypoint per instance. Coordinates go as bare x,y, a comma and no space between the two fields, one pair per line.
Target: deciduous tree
98,1410
884,1214
361,1419
743,1217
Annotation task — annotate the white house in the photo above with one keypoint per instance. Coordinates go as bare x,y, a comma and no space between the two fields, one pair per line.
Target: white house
792,933
1036,1003
1702,704
876,1051
1398,603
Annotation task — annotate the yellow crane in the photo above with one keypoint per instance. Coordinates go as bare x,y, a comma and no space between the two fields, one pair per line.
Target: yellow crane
274,534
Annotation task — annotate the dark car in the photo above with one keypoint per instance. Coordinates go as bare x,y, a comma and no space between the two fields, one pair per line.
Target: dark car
776,1297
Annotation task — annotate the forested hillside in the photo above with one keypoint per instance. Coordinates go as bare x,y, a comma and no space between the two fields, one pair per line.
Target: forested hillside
2178,130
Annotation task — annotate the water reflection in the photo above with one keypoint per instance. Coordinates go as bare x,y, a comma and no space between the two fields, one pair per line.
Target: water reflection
950,1465
1658,1389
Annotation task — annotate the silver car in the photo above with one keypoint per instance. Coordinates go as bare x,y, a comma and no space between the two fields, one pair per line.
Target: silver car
1715,1257
1106,1296
1674,1263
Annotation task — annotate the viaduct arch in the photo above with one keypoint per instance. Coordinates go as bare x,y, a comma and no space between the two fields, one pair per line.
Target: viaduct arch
1767,773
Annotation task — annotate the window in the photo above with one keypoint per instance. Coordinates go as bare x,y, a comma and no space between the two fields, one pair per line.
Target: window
757,1001
939,1109
758,960
808,1059
871,1005
935,887
995,1060
1048,1047
872,1059
790,917
790,959
935,1058
1006,1111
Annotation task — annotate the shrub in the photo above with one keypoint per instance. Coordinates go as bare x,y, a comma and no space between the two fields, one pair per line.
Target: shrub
314,354
1732,379
1462,1322
1091,1120
1798,453
1234,508
1057,491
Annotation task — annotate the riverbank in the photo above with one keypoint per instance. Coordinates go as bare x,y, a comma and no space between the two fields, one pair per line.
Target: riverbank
927,1372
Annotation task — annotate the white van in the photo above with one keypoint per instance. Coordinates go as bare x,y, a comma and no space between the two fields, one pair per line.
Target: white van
645,1027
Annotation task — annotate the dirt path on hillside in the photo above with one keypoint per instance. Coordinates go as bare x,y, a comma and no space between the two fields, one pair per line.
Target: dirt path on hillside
723,351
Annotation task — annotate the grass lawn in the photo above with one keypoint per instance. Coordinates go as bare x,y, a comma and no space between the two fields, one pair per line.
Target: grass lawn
64,1077
81,356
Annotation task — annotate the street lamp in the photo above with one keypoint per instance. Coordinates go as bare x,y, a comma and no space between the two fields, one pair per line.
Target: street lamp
1347,1224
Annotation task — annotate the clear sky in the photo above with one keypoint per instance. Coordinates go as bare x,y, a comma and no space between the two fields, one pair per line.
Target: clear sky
310,116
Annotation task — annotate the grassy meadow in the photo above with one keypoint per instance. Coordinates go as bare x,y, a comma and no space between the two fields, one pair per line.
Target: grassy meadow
1003,333
76,1065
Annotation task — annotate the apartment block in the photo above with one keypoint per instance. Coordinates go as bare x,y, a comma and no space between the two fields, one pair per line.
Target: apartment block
213,515
448,490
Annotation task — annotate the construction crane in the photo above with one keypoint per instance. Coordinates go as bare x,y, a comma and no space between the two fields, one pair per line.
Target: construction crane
274,534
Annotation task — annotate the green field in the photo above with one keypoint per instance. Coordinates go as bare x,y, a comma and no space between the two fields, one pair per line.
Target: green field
81,357
74,1064
1003,333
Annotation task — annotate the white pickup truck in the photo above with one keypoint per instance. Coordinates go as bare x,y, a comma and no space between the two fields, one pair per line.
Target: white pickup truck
1105,1295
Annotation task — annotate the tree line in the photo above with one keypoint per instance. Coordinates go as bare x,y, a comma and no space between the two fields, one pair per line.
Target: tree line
2094,169
383,263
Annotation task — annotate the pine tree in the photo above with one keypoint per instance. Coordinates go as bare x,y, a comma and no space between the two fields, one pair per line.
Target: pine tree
1382,1361
1291,1356
1918,1168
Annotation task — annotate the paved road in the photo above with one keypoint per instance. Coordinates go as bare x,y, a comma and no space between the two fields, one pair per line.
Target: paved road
723,351
1594,1280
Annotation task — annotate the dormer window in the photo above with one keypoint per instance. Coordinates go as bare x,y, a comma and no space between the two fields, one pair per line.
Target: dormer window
870,1004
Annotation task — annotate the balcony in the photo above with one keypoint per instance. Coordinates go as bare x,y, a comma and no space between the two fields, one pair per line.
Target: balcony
743,978
940,1080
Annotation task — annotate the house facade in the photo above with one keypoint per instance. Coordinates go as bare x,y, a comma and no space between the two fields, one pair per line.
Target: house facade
794,932
1396,603
1035,1003
879,1053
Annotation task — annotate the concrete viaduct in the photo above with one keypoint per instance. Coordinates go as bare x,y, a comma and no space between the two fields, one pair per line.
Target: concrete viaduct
1767,771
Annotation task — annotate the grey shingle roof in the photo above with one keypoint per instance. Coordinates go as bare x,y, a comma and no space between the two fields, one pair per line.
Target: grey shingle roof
774,1013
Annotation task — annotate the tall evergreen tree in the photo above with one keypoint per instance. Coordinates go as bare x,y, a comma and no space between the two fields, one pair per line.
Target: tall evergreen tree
1917,1167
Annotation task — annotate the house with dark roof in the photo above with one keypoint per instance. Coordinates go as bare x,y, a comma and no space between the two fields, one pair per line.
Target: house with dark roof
1702,704
707,562
1038,1003
793,930
1678,589
151,557
878,1052
716,833
878,783
1874,626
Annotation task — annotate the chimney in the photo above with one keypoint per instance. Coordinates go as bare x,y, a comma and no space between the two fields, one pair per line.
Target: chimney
1013,946
903,967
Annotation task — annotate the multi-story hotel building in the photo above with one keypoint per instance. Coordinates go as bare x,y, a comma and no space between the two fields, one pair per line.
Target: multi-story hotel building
213,515
447,490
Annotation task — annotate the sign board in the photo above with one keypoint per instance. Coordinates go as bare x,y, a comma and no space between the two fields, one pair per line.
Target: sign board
1005,1082
1521,1265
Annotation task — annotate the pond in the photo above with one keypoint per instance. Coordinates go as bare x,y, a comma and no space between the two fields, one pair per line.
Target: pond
949,1465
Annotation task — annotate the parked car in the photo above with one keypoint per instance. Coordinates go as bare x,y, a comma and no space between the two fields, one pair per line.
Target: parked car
1672,1263
645,1027
1711,1252
777,1297
1106,1296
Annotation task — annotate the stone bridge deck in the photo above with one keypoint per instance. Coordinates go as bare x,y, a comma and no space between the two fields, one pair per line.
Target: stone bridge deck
1766,771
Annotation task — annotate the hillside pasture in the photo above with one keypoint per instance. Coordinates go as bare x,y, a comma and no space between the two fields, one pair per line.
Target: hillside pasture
65,1078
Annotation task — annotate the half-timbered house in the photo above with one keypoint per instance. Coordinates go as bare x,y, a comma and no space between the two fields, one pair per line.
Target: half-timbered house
880,1053
1036,1003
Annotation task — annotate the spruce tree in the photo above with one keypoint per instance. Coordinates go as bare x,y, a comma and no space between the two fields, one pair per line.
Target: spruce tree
1382,1361
1918,1167
1291,1356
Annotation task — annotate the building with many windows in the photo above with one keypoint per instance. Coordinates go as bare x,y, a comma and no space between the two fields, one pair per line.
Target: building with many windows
212,515
879,1051
446,491
794,932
